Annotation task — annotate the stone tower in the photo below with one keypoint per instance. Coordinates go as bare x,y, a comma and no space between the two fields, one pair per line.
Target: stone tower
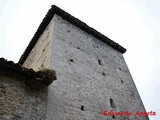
92,75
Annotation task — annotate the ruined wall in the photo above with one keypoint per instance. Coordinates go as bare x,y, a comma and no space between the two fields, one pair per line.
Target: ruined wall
21,100
40,55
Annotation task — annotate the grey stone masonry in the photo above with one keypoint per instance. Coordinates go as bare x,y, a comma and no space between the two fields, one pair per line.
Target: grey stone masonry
91,75
20,101
23,92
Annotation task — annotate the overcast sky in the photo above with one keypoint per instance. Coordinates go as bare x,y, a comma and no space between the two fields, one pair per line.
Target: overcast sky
134,24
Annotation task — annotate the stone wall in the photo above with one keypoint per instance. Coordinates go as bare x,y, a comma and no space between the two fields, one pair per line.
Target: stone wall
21,99
91,76
40,55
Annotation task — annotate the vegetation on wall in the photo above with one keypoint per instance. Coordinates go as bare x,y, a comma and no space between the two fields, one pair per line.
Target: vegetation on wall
11,69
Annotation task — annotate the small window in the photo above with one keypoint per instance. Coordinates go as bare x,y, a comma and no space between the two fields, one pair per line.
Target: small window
71,60
122,81
82,107
112,103
103,73
99,62
113,117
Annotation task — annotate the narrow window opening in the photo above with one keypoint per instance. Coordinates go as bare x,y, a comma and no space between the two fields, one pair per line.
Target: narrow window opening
99,62
112,103
82,107
43,50
71,60
78,48
113,116
120,69
103,73
122,81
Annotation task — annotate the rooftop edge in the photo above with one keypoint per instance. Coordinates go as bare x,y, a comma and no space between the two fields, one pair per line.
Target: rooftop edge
56,10
44,77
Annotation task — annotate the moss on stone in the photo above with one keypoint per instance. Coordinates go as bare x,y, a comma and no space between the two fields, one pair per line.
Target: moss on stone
46,75
11,69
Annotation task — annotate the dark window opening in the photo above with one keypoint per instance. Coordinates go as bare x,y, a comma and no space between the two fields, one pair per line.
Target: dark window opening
112,103
103,73
78,48
120,69
82,107
121,81
43,50
113,116
71,60
68,31
99,62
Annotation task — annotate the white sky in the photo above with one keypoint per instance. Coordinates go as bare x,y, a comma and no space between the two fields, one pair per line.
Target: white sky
134,24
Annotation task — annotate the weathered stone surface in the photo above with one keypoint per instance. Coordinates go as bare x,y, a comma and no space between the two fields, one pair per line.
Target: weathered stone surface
23,92
9,68
66,16
40,55
91,76
22,101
